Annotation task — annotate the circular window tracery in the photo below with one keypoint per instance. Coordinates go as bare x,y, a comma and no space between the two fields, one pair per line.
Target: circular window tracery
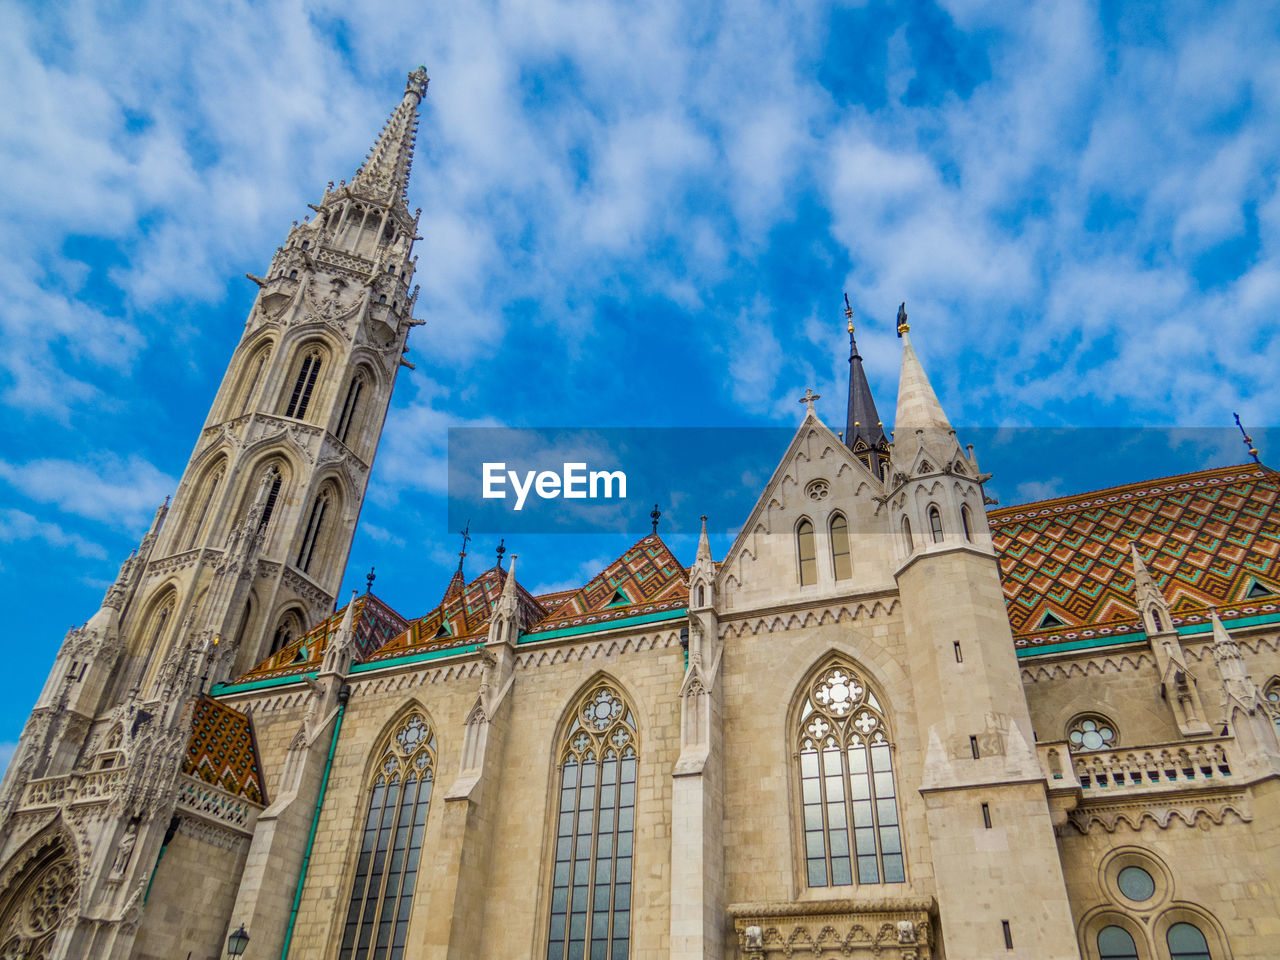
1091,732
817,489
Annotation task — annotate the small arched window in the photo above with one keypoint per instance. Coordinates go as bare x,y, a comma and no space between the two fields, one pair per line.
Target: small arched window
202,512
841,563
966,521
377,924
908,543
161,618
591,880
311,535
300,399
847,793
287,630
1186,942
699,596
305,244
1115,943
807,552
1157,621
935,524
256,365
349,406
293,274
382,298
271,480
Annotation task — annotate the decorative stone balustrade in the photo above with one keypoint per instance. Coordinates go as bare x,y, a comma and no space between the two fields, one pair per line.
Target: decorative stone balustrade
216,805
1149,768
45,792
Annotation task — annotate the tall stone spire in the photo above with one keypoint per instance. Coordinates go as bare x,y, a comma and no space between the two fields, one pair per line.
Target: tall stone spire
918,406
862,422
384,176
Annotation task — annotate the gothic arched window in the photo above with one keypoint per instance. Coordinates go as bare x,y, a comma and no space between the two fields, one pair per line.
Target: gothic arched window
287,630
847,792
163,613
908,542
312,533
300,399
256,365
206,500
1116,943
840,560
350,405
391,844
966,521
807,552
1271,699
935,524
591,883
1186,942
272,478
38,902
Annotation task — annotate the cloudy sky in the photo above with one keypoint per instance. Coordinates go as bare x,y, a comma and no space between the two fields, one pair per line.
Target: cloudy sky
634,215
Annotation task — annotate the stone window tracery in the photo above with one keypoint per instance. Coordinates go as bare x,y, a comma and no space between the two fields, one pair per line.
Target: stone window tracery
206,500
1271,697
1091,731
847,791
595,828
391,844
37,904
306,552
350,405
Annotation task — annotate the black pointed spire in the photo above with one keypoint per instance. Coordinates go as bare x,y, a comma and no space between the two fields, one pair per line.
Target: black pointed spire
862,425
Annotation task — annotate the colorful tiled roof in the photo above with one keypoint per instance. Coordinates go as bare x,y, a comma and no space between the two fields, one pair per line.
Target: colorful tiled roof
375,624
222,750
462,618
646,579
1210,540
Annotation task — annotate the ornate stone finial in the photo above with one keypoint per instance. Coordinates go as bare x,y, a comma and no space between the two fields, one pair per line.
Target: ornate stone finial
368,580
654,516
501,550
808,398
903,326
1248,440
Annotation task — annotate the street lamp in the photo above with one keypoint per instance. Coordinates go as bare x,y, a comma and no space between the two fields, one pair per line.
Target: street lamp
237,942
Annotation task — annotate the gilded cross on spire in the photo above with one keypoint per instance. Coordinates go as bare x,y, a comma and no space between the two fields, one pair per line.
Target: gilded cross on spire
848,313
808,398
466,537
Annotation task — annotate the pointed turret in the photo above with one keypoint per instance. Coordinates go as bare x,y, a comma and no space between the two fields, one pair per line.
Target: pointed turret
339,652
458,582
863,429
384,176
918,406
1151,602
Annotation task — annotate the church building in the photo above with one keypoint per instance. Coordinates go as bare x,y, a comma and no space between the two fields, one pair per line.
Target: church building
890,722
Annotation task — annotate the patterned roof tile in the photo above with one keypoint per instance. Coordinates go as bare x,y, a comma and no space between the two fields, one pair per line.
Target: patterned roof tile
222,750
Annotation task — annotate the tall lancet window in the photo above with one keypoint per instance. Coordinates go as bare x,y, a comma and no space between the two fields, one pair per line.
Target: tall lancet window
807,552
935,524
349,406
312,534
591,885
300,399
273,480
391,845
840,561
847,791
202,512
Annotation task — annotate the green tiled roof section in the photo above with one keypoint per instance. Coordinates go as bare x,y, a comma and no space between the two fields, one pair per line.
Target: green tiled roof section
1138,636
663,615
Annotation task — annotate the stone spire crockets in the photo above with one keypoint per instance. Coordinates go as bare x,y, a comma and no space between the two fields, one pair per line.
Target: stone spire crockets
863,431
384,175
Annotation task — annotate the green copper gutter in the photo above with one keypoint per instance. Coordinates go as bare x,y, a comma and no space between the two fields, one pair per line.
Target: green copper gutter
343,694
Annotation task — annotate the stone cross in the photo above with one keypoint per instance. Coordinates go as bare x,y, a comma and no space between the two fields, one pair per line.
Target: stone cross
808,398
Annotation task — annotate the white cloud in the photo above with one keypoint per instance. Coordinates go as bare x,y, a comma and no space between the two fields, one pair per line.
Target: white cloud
17,526
122,493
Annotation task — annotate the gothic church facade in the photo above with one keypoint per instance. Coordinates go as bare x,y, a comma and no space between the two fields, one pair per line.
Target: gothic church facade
890,722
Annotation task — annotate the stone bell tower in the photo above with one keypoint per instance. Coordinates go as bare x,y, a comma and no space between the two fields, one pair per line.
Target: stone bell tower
250,553
980,760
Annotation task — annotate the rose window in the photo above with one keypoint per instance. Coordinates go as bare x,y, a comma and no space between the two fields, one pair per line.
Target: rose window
1091,733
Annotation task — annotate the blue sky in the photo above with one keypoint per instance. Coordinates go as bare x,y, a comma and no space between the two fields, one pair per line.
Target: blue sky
634,215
